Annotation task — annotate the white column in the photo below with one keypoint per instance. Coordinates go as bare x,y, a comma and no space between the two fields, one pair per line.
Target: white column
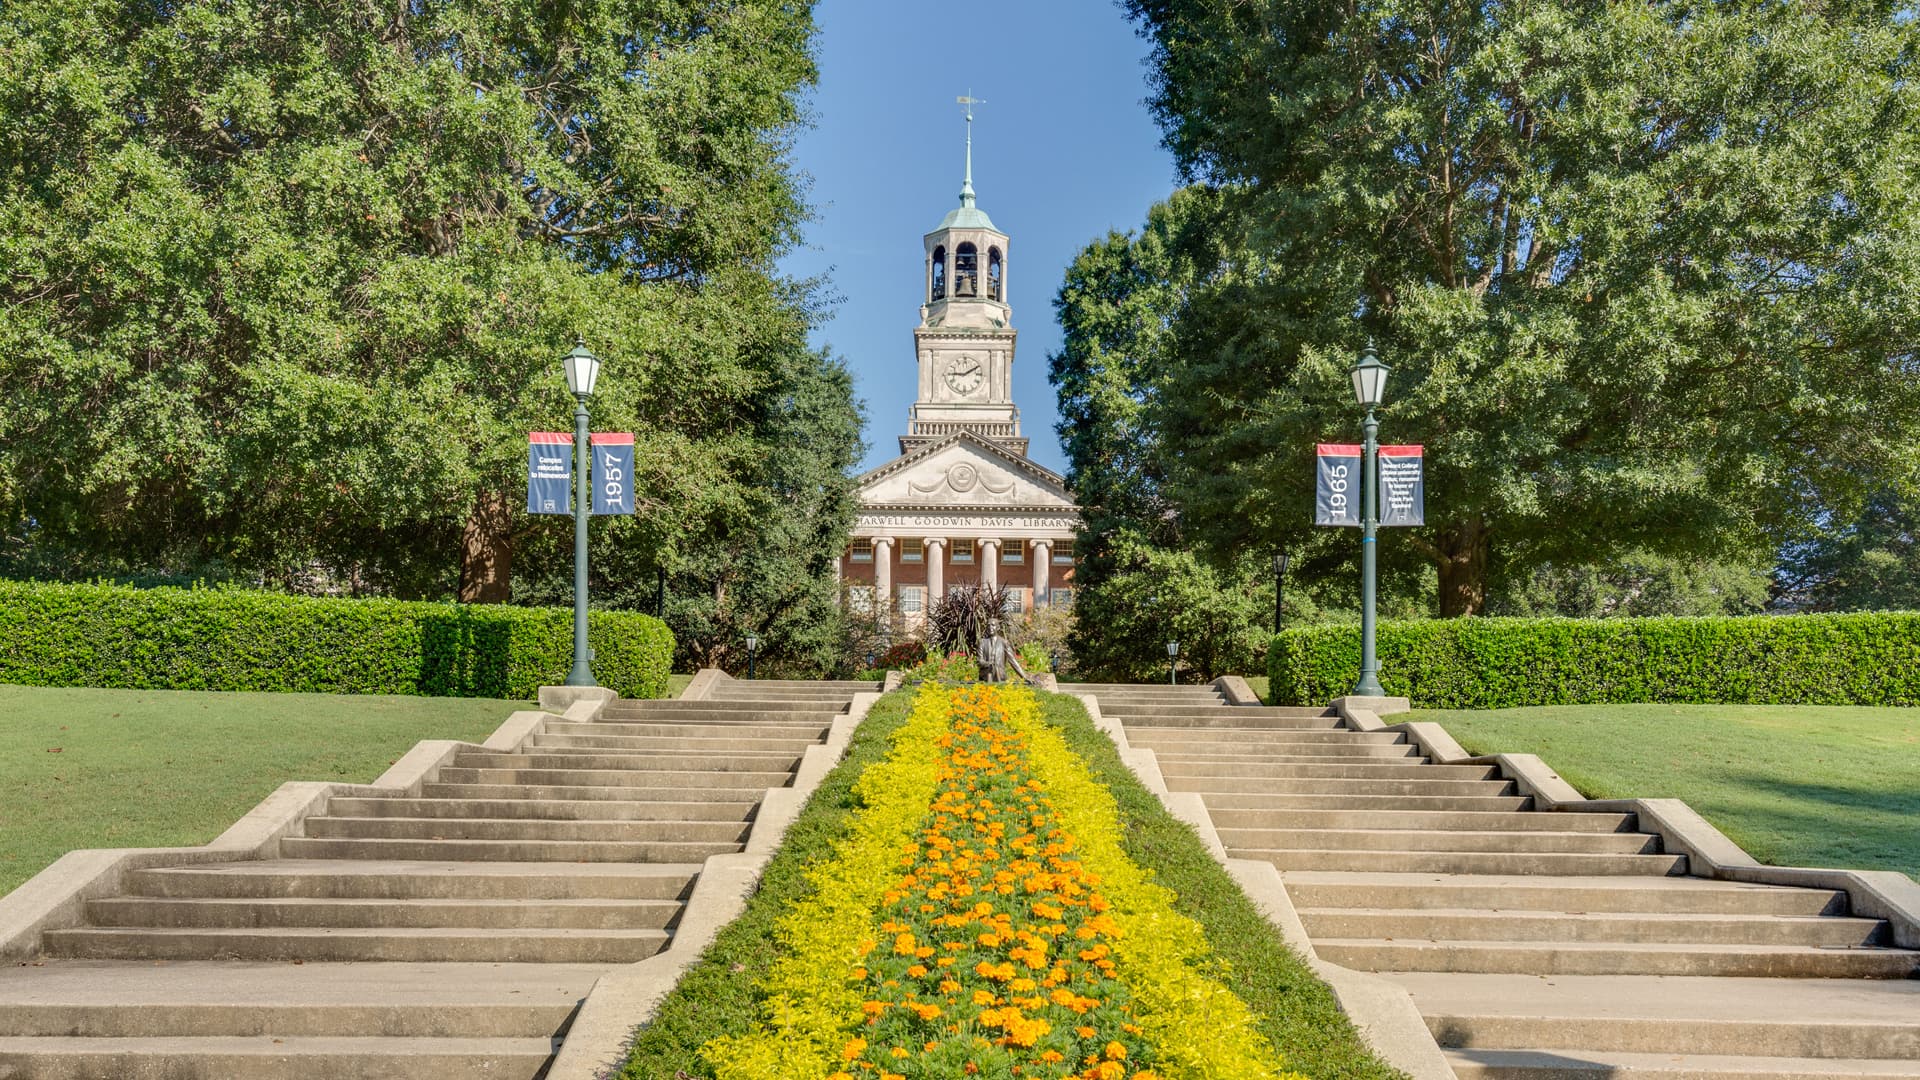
934,550
1041,552
988,549
883,574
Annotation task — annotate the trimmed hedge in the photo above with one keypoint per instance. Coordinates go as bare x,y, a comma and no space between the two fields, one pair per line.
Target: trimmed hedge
1856,659
229,639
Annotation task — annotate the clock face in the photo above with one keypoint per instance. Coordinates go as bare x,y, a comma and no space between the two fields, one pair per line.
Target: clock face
965,374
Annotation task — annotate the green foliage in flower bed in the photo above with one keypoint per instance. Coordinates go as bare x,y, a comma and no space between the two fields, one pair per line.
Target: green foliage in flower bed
1854,659
229,639
1293,1009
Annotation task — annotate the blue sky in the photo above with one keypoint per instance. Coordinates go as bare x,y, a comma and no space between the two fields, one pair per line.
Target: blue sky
1063,150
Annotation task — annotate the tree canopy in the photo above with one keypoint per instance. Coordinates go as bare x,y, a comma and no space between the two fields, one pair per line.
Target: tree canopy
284,286
1648,275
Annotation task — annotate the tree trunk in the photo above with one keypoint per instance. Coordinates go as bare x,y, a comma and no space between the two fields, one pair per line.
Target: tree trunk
486,551
1463,568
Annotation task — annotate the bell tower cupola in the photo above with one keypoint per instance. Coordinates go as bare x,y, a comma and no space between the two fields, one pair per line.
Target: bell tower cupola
965,339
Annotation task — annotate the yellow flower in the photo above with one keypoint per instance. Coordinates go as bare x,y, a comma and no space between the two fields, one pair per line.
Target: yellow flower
1116,1052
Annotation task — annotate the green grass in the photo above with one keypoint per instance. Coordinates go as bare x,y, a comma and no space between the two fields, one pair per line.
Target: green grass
1293,1009
677,685
1796,785
1258,684
160,768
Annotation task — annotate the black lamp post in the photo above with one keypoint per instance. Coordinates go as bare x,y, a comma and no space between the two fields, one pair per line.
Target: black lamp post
583,370
753,646
1280,560
1173,659
1369,385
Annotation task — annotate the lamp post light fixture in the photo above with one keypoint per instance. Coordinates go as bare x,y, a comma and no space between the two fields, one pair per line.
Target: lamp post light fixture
583,370
1173,659
1369,386
1280,561
753,646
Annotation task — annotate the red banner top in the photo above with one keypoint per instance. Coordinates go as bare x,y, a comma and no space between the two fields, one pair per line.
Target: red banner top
1403,451
539,437
1328,449
613,438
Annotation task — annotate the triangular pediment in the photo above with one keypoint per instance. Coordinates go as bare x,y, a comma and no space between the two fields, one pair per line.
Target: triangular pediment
965,470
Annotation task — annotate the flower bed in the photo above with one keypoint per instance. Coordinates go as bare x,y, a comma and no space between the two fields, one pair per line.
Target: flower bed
982,919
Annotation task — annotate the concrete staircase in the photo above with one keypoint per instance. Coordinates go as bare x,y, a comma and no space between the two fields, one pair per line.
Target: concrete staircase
1537,945
450,934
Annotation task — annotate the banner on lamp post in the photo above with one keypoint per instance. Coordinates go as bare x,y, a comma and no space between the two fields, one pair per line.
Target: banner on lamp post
1336,488
549,473
1403,485
613,472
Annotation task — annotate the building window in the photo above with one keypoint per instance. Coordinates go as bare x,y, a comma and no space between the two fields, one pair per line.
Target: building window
1016,602
913,551
1063,553
962,552
938,289
912,598
966,271
1062,598
1013,552
993,273
861,550
860,599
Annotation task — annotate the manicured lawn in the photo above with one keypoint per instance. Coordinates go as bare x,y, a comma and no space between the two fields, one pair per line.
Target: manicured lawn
677,685
155,768
1797,785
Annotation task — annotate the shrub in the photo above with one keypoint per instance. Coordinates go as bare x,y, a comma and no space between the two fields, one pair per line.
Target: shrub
905,654
1034,657
1858,659
955,667
1122,624
229,639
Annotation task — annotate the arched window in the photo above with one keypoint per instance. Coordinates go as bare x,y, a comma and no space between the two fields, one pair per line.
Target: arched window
966,271
993,273
939,275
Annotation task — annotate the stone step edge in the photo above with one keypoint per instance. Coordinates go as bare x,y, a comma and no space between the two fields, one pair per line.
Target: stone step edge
626,997
1383,1011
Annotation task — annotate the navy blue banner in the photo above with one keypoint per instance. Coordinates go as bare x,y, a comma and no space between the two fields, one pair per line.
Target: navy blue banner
1336,488
550,473
1403,485
613,473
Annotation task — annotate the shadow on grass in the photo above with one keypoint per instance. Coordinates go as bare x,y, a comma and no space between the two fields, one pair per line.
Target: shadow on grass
1857,827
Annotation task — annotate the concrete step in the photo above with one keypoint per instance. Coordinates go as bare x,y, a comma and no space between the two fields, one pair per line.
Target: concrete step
1357,770
1401,820
787,712
273,1058
649,729
1671,895
662,780
1227,739
851,686
1576,1014
546,809
1609,958
637,744
1163,697
1487,840
358,944
585,793
1305,754
1596,1065
416,879
397,828
654,761
109,999
1466,924
780,693
1224,802
1148,714
553,851
1336,785
1468,862
402,913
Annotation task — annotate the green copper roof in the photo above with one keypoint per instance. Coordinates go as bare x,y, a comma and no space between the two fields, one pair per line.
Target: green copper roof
967,217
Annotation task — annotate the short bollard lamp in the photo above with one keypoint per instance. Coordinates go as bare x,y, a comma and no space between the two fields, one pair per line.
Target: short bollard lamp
1280,561
583,370
1173,659
1369,387
753,646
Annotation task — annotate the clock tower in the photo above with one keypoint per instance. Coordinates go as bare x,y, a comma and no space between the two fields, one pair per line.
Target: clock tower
964,342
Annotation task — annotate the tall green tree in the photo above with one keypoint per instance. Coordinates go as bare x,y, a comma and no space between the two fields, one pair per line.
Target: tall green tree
1648,274
283,286
1868,563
